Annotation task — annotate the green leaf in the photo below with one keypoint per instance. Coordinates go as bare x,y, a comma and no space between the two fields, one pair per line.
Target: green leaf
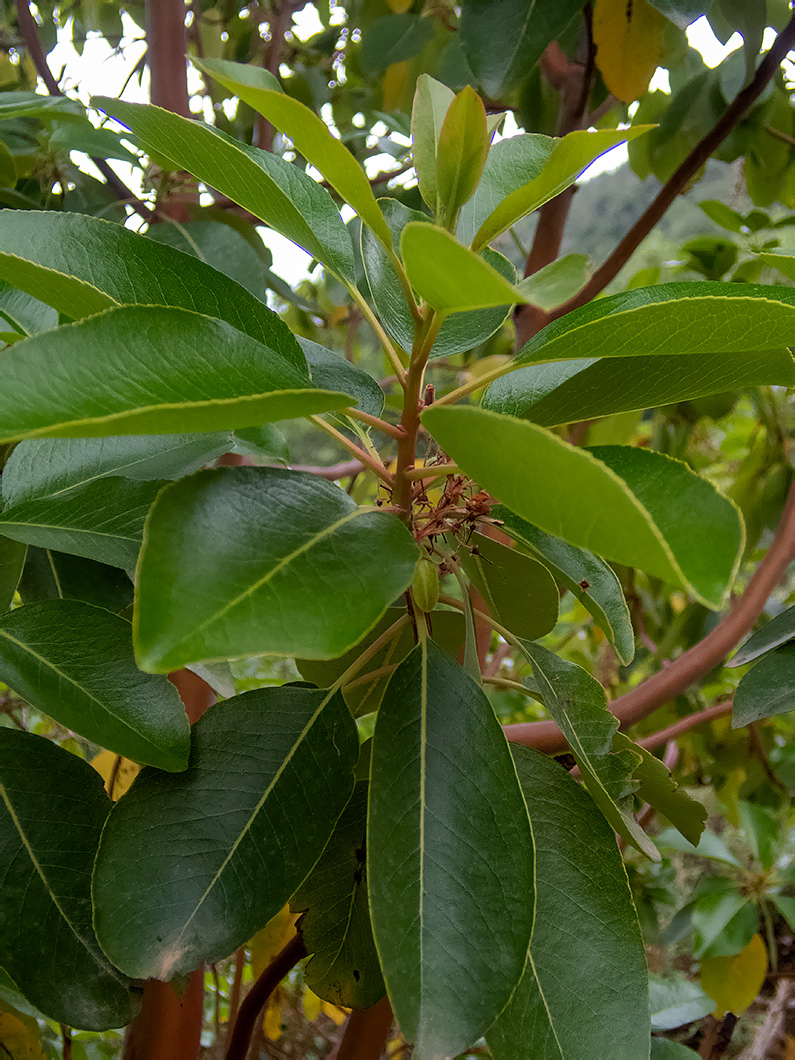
778,631
568,158
330,371
20,314
660,790
675,1002
51,467
589,578
633,506
569,391
681,12
172,371
578,704
671,318
335,916
12,560
583,994
392,39
276,191
52,809
261,560
459,332
102,520
460,153
665,1049
709,846
555,283
52,575
503,41
75,663
785,906
228,841
766,690
308,132
227,249
449,276
451,895
762,830
82,265
76,136
520,592
712,914
431,102
8,169
35,105
785,263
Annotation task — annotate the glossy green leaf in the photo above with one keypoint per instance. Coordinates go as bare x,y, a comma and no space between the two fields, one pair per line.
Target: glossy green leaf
243,561
583,994
767,689
630,505
674,1002
335,915
52,575
172,371
557,282
578,704
228,841
658,788
233,251
20,314
519,592
712,914
12,560
451,896
569,391
274,190
503,41
671,318
52,467
331,371
449,276
460,153
785,263
431,101
102,520
567,160
77,136
52,810
75,663
778,631
308,132
460,331
589,578
81,265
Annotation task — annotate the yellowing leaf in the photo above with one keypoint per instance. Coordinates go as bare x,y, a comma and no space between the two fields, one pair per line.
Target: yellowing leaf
334,1012
116,771
399,6
272,1017
628,35
393,85
271,940
312,1004
734,982
17,1041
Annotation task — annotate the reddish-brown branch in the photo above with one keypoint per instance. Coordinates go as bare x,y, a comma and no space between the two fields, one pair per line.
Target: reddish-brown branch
334,472
694,664
237,983
685,173
664,736
167,43
365,1033
167,1027
254,1001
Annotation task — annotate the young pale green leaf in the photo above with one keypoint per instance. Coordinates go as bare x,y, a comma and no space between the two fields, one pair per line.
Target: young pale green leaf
52,467
659,789
449,276
672,318
762,831
460,153
228,841
589,578
81,265
75,663
778,631
171,371
460,331
583,994
451,896
20,314
52,810
578,704
785,263
331,371
52,575
335,915
308,132
557,282
431,102
569,391
665,1049
263,561
766,690
633,506
504,39
12,560
102,520
709,846
276,191
519,591
568,158
675,1002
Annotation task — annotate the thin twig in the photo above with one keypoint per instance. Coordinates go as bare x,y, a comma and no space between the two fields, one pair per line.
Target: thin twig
678,728
255,1000
364,458
346,469
237,983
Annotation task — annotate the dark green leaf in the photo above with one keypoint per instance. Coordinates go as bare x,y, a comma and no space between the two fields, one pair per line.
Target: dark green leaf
583,994
394,39
53,807
261,560
778,631
12,560
228,841
330,371
35,105
766,690
335,920
76,136
714,912
589,578
172,371
52,575
681,12
762,830
665,1049
451,895
75,663
20,314
221,246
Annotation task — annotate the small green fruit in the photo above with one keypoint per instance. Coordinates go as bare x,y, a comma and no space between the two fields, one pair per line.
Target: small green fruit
425,584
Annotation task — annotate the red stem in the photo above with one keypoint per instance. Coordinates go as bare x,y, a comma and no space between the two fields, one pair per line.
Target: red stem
365,1033
255,1000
